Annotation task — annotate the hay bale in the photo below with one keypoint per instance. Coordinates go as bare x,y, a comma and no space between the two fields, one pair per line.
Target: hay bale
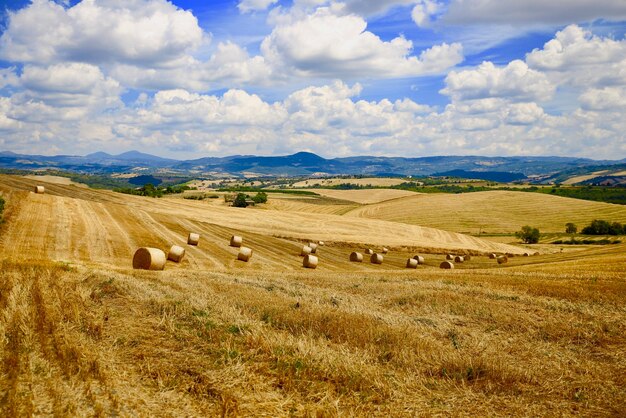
502,259
245,254
526,255
419,258
467,257
446,265
411,263
313,247
236,241
356,257
320,243
369,251
40,189
310,261
449,257
492,256
306,250
385,250
193,238
146,258
459,259
176,253
376,258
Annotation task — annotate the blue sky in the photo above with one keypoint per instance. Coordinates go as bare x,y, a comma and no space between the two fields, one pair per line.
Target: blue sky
187,79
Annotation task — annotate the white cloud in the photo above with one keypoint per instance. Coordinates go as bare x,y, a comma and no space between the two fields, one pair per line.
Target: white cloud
139,32
604,99
325,44
424,11
246,6
577,56
515,82
478,12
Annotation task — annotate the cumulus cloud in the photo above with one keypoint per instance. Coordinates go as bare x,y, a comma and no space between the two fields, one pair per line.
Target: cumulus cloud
532,12
325,44
515,81
140,32
577,56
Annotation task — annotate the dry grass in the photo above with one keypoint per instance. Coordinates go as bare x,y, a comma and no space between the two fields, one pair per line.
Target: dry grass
211,336
55,179
519,341
492,212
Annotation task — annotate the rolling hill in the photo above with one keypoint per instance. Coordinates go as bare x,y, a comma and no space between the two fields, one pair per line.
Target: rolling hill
491,211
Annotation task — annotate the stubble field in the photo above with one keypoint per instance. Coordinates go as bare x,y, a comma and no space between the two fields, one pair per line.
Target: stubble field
83,334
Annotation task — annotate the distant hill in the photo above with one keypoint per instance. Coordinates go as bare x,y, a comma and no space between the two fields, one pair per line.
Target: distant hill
307,164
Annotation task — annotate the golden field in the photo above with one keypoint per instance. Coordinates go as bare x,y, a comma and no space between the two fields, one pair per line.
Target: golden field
492,211
83,334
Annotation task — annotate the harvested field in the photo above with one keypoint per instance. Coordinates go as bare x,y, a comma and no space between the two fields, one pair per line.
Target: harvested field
84,334
491,212
366,196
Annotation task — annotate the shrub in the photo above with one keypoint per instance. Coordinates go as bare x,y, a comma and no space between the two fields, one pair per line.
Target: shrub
240,201
570,228
261,197
528,234
601,227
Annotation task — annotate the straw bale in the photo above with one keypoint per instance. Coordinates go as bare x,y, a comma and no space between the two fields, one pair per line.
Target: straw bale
310,261
245,254
193,238
376,258
147,258
176,253
356,257
446,265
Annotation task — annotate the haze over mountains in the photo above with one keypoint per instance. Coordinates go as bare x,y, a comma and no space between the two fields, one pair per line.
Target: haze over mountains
305,163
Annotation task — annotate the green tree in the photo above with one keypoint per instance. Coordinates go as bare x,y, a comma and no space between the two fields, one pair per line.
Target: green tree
528,234
240,201
261,197
570,228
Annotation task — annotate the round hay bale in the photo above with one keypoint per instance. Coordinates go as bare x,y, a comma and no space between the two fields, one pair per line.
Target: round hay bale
376,258
176,253
313,247
537,253
369,251
245,254
193,238
236,241
146,258
446,265
40,189
467,257
310,261
459,259
356,257
526,255
449,257
385,250
510,255
306,250
411,263
320,243
492,256
419,258
502,259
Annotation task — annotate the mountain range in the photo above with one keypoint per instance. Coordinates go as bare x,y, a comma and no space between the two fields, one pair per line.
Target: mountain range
307,164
